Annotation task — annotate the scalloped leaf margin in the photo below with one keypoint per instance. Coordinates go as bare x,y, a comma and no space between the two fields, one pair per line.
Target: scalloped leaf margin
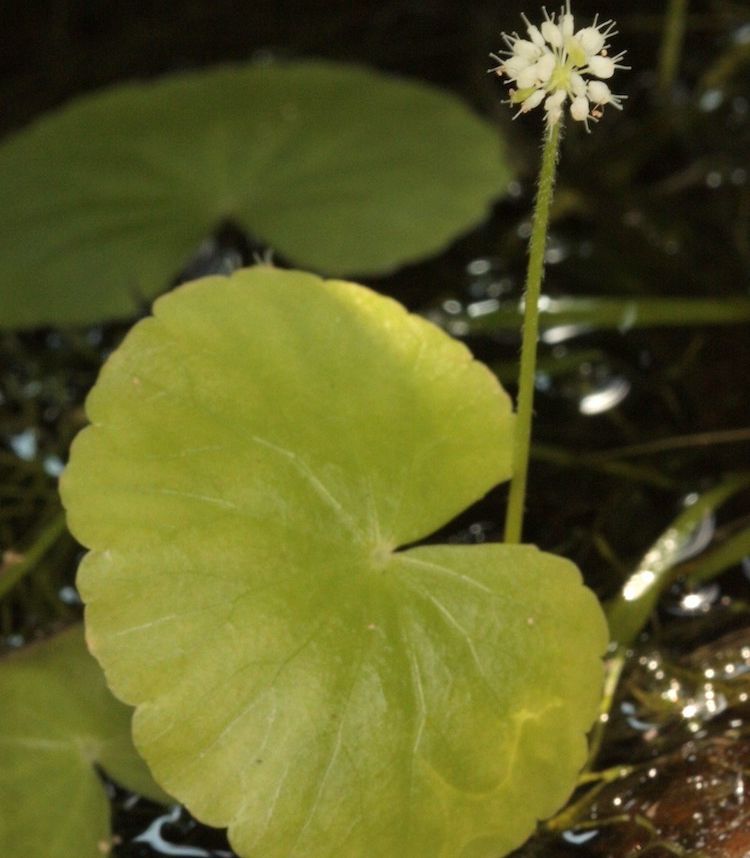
336,167
58,720
261,451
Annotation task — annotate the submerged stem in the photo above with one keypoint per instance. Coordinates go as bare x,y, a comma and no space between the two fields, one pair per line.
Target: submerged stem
671,46
532,292
52,531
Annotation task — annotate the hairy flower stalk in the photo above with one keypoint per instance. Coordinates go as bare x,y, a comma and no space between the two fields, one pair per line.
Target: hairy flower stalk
554,66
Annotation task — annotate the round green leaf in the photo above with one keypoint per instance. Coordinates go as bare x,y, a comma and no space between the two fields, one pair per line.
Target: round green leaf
262,451
57,721
336,167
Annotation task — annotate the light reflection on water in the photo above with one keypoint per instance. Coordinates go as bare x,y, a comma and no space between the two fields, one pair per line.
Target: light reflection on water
24,444
154,838
612,392
579,838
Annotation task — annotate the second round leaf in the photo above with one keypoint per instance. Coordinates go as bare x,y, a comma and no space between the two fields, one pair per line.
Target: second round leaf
336,167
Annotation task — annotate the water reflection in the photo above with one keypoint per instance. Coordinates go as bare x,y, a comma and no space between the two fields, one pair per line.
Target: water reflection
682,602
479,267
154,838
488,278
69,595
609,395
477,533
557,250
685,731
628,710
481,308
594,387
711,100
561,333
24,444
697,540
579,838
53,465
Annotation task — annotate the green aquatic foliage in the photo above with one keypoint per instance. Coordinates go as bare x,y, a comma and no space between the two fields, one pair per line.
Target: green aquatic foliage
596,314
58,722
264,452
629,611
728,553
338,168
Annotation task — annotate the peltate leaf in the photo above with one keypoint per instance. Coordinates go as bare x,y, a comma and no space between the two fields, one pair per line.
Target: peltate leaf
264,449
58,721
109,196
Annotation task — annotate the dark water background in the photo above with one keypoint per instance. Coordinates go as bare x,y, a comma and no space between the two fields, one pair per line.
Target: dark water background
654,203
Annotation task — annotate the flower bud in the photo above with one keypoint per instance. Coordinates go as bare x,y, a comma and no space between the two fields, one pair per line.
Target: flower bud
528,77
513,66
591,40
533,101
545,66
536,37
579,109
527,50
577,84
555,100
552,34
598,92
602,66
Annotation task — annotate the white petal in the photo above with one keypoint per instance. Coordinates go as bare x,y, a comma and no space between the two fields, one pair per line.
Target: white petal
514,66
536,37
545,66
534,100
579,109
552,34
554,115
591,40
602,66
527,50
598,92
567,25
577,84
555,100
527,77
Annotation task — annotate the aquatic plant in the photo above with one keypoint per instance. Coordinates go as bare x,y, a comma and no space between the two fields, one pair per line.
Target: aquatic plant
550,67
265,484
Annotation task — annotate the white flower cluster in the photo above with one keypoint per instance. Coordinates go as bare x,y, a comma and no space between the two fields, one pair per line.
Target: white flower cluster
550,67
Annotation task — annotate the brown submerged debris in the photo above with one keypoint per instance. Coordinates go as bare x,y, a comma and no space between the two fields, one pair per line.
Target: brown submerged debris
693,802
677,763
690,792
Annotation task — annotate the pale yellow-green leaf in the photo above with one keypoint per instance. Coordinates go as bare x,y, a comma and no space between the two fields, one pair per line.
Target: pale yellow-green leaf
263,450
58,720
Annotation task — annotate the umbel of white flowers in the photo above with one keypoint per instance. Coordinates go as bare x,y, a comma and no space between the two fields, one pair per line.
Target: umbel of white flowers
556,63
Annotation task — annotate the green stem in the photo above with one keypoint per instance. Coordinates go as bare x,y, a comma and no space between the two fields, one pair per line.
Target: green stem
573,459
534,274
46,539
671,46
613,671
